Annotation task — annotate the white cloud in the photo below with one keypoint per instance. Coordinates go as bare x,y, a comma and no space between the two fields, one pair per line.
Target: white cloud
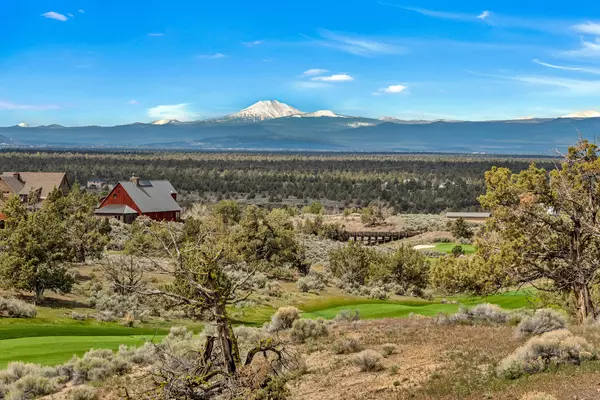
358,46
483,15
310,85
54,15
7,105
562,67
176,111
587,49
334,78
81,11
254,43
314,71
392,89
267,60
156,34
574,86
212,56
589,28
71,15
133,102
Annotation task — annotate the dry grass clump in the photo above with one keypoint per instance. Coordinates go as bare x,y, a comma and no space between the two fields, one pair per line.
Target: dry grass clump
284,318
541,352
544,320
347,316
537,396
303,329
347,345
32,386
15,308
368,361
310,283
83,392
487,314
388,349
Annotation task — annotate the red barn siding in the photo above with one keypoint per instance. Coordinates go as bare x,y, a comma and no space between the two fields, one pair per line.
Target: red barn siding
120,196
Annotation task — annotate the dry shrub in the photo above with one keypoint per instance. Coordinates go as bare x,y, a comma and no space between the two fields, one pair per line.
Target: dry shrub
368,361
544,320
489,314
15,308
83,392
303,329
537,396
347,316
388,349
310,284
541,352
283,318
31,387
347,345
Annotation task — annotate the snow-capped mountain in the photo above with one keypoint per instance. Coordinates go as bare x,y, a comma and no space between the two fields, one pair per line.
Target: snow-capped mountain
583,114
165,122
264,110
23,125
322,113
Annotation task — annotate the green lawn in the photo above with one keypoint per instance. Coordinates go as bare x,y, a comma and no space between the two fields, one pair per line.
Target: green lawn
373,309
58,349
447,247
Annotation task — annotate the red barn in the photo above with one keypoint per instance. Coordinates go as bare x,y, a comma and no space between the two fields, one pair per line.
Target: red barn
154,199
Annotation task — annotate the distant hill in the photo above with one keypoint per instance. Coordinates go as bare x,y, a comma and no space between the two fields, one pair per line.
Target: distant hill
277,126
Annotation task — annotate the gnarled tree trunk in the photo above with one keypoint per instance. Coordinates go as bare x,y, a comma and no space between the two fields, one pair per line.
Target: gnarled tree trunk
583,301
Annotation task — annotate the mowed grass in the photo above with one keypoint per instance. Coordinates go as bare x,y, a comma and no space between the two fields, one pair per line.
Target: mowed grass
374,309
55,350
447,247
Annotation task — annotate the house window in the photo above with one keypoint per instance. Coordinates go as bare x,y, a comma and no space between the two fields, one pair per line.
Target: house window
114,196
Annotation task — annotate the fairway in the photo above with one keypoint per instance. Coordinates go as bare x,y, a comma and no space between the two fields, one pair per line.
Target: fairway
375,309
447,247
59,349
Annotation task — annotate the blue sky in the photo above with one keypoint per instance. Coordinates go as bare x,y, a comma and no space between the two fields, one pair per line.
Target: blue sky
91,62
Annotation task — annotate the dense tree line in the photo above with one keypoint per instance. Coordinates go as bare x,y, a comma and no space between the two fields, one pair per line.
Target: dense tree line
408,183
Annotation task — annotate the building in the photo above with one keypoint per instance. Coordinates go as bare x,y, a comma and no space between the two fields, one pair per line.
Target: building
97,183
27,184
469,216
129,199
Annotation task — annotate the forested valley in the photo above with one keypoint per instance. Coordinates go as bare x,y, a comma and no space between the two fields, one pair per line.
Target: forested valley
410,183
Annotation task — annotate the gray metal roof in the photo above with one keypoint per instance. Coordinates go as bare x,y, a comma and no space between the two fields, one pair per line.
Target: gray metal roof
115,209
468,215
153,196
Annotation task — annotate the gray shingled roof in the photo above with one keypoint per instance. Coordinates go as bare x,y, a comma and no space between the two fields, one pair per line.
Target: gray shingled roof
468,215
152,196
115,209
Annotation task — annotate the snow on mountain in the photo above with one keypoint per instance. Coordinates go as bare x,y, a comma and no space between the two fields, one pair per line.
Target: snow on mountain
23,125
164,121
323,113
583,114
266,109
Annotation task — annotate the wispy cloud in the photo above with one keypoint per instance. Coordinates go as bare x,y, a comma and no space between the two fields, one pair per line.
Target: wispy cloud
212,56
588,28
392,89
10,106
359,46
253,43
483,15
81,11
314,71
587,50
156,34
267,60
55,15
310,85
333,78
588,70
179,112
71,15
438,14
133,102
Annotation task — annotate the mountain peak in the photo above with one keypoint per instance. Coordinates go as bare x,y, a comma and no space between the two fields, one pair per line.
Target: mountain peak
324,113
267,109
164,122
23,125
583,114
